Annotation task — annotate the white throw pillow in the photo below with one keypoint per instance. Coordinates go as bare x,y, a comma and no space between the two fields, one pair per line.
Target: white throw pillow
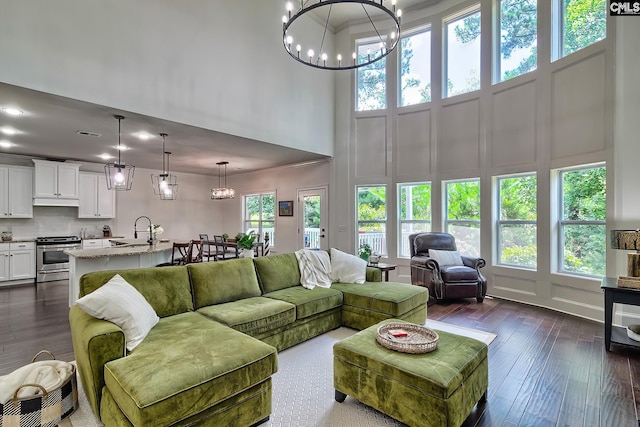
347,268
446,257
120,303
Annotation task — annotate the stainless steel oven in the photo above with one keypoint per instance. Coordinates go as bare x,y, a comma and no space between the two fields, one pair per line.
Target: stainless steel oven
51,261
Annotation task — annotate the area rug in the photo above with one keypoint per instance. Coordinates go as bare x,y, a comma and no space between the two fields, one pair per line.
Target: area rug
303,393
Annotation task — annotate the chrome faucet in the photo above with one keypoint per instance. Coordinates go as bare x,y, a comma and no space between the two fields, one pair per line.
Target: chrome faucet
135,229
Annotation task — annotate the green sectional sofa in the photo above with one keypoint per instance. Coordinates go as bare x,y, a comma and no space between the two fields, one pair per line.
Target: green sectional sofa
210,358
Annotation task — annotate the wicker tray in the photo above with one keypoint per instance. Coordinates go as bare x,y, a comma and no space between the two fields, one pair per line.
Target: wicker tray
628,282
418,340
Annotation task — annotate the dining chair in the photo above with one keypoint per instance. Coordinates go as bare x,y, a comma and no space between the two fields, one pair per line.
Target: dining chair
181,257
195,251
205,248
222,248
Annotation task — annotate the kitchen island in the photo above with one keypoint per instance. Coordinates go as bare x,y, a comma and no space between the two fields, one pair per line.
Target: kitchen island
129,253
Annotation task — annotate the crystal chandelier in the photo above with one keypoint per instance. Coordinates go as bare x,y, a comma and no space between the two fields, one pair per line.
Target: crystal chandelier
165,184
119,176
301,33
221,192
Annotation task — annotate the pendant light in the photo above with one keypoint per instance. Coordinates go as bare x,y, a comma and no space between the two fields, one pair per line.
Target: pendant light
119,176
165,184
221,192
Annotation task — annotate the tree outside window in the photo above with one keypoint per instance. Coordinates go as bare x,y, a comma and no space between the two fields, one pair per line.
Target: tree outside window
415,68
371,79
517,223
518,38
583,241
582,23
462,44
372,217
463,214
414,202
259,215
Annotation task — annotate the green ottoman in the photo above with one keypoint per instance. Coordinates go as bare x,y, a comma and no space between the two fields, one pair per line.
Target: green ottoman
439,388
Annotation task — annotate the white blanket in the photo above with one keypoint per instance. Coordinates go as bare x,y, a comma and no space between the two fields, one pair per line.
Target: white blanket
315,268
50,374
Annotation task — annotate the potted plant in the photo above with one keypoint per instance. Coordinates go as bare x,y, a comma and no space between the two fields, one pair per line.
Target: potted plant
365,251
245,242
225,236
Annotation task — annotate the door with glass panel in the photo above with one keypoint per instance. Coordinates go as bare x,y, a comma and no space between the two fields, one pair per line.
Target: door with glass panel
312,228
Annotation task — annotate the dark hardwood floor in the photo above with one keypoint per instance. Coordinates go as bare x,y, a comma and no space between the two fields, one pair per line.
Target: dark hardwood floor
545,368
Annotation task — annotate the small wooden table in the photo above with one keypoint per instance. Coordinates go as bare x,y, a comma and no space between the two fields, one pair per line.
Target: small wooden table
614,294
385,268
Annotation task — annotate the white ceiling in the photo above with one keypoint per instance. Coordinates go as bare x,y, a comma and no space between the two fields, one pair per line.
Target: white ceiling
48,129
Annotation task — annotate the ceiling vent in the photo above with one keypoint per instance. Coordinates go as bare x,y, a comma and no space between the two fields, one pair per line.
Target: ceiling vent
87,133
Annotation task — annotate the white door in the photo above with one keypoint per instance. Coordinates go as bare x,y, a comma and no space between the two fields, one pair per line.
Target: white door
312,228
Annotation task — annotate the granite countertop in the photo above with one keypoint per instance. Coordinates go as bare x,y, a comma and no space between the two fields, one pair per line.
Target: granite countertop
131,247
18,240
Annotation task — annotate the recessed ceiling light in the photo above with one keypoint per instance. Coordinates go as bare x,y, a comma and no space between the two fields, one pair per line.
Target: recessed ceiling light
12,111
6,144
121,147
105,156
143,135
8,131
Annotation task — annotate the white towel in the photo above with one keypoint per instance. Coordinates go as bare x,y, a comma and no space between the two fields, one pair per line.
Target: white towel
50,374
315,268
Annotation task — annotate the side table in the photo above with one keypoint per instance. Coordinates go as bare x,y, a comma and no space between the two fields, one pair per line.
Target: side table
385,268
614,294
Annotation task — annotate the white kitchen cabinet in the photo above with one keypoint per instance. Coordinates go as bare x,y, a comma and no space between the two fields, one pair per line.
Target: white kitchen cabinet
4,262
95,200
55,183
17,261
16,192
93,244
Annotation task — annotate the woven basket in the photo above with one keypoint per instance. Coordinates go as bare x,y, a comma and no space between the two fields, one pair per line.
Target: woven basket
43,410
418,340
628,282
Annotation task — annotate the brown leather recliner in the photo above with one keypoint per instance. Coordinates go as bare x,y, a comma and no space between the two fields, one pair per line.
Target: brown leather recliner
445,281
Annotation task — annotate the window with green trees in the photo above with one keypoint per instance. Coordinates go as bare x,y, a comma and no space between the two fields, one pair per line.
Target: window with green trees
462,47
415,67
259,215
583,212
372,217
462,218
414,216
578,24
518,38
517,222
371,79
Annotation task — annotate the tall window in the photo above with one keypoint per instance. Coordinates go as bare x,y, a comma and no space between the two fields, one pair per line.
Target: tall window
577,24
518,38
371,79
462,44
463,214
372,217
415,68
583,213
259,215
414,203
517,225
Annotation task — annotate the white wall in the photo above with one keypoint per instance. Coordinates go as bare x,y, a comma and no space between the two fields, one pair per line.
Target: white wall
626,208
209,63
285,181
559,115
